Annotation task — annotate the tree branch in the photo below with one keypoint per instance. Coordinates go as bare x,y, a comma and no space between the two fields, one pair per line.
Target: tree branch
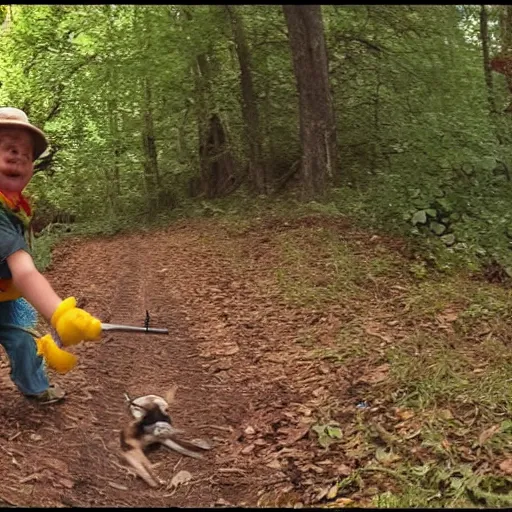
369,44
45,163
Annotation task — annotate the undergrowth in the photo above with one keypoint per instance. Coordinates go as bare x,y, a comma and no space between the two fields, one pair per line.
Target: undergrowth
438,426
475,248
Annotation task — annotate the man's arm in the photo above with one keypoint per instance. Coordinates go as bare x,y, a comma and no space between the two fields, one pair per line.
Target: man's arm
71,323
32,284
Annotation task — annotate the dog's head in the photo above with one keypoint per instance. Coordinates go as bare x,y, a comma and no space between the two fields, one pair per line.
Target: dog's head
149,406
152,412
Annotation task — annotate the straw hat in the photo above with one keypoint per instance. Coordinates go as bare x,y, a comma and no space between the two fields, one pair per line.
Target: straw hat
14,117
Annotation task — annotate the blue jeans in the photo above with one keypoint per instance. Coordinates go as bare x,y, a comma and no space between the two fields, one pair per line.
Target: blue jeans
27,368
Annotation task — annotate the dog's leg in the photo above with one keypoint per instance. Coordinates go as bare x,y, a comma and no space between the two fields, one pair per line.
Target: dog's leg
142,466
171,394
176,446
150,468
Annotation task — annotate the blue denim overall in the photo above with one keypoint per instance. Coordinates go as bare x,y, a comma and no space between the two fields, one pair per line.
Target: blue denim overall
17,318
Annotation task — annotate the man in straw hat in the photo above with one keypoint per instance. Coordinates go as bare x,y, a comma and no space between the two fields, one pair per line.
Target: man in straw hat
21,285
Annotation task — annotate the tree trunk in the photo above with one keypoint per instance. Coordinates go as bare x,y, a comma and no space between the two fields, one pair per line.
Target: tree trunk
220,176
113,181
202,80
317,122
201,70
142,26
502,63
484,37
151,174
217,164
216,160
257,174
506,28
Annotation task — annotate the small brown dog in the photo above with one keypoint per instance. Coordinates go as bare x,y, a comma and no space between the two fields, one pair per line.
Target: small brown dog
152,425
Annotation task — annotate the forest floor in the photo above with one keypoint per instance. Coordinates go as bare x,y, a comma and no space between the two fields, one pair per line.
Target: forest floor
322,366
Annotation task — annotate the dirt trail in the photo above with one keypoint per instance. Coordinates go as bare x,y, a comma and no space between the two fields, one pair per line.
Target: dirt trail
232,352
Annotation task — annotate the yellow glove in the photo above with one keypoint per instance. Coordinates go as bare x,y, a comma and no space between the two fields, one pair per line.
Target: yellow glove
73,324
55,357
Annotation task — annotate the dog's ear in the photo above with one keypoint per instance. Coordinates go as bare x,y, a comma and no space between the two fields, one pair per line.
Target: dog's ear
170,395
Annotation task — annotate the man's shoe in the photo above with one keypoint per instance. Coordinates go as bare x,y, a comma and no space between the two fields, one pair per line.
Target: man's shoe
50,396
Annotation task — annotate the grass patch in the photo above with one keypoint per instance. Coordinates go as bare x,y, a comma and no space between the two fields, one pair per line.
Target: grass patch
436,432
42,247
334,271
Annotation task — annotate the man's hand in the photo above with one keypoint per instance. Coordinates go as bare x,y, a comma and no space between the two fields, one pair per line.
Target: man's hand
73,324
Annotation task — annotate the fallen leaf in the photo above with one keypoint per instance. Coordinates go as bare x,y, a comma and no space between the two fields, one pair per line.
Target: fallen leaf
227,350
118,486
317,392
305,410
29,478
311,467
327,434
248,449
222,365
322,494
343,502
449,316
324,369
506,466
445,414
386,457
372,331
221,502
276,358
182,477
295,435
487,434
334,431
376,374
275,464
57,465
333,492
343,470
404,414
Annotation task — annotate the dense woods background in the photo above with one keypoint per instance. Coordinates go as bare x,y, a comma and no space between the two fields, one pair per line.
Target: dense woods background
396,115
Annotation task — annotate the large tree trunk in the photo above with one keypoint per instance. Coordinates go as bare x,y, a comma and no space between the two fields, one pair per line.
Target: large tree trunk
219,178
257,174
317,122
484,37
216,160
502,63
217,164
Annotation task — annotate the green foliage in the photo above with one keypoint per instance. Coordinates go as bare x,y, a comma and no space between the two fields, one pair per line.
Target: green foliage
420,153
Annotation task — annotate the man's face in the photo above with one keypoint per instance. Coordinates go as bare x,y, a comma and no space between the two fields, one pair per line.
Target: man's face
16,159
